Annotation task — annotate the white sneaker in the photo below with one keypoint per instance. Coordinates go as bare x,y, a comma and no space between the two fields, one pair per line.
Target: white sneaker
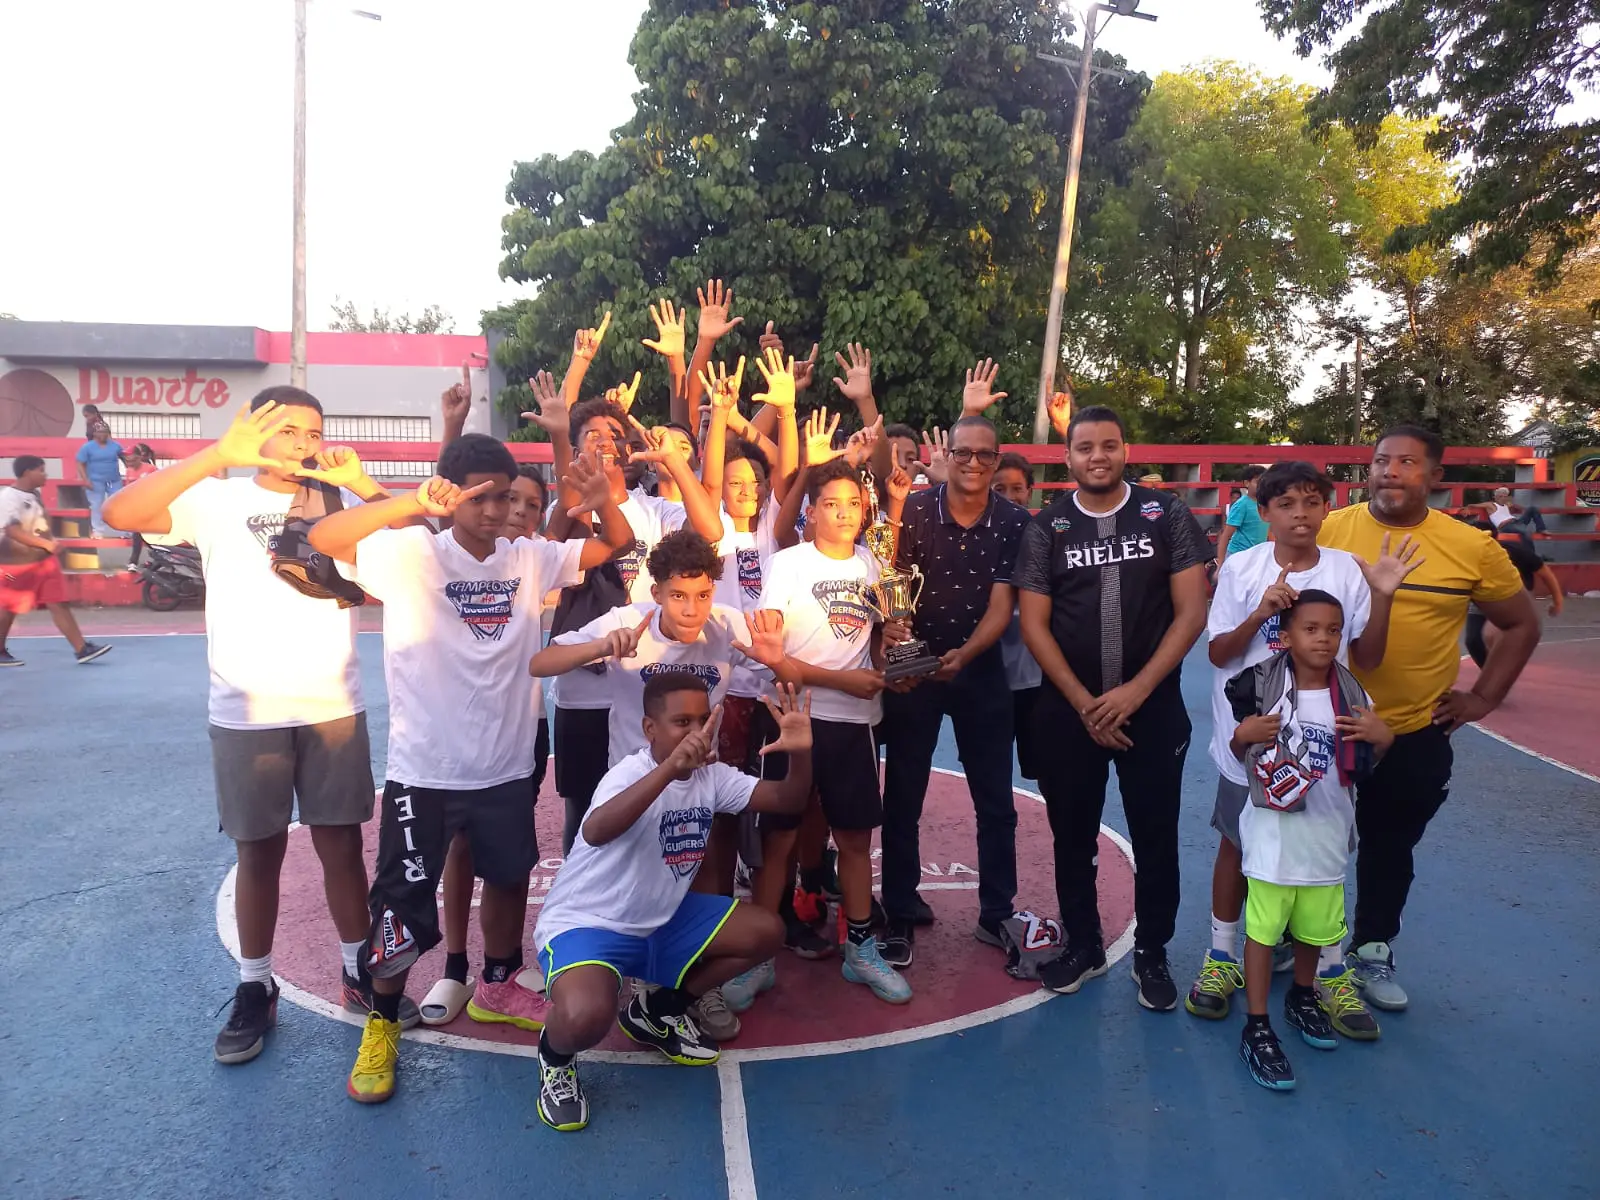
1373,966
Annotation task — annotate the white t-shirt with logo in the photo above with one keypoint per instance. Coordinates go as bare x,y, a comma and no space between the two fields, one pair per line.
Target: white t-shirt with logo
457,637
1311,847
278,658
1242,581
21,508
651,519
826,623
634,883
744,559
710,656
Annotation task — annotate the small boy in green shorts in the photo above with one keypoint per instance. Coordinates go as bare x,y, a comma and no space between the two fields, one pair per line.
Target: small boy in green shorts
1306,735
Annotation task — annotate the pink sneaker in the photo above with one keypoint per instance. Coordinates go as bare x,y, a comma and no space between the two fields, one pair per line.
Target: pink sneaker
508,1003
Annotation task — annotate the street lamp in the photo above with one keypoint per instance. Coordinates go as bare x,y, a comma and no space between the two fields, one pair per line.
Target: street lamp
1069,204
297,314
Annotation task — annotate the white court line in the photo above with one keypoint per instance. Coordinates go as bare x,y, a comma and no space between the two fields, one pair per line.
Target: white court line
741,1169
1545,758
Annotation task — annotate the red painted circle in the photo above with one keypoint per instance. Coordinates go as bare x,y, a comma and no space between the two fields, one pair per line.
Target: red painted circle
34,403
954,975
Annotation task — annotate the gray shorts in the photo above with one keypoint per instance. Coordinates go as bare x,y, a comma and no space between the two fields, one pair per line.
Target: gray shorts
262,773
1230,802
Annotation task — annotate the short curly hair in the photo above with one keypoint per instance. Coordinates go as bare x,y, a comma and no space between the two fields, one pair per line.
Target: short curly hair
583,413
685,553
828,473
475,454
739,447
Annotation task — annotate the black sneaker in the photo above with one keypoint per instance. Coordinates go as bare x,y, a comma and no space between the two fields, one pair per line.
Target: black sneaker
920,913
1067,974
896,946
987,931
8,659
255,1010
676,1037
806,942
1157,992
562,1104
92,651
1268,1064
357,997
1300,1009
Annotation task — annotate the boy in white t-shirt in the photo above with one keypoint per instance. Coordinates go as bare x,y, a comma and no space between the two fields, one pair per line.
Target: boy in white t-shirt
1254,587
461,616
622,905
288,724
829,629
1306,736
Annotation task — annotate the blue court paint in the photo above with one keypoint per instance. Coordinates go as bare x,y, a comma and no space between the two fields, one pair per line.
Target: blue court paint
108,874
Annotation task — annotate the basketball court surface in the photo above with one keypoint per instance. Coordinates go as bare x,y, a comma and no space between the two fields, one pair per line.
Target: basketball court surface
116,893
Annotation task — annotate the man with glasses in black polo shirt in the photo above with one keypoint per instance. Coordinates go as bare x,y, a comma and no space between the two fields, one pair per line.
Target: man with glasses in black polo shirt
963,538
1112,588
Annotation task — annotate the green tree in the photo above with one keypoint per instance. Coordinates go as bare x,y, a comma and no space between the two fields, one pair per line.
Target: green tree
1198,268
347,319
883,171
1501,76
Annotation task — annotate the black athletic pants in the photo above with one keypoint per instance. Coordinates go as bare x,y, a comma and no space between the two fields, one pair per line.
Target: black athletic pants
978,703
1393,809
1073,770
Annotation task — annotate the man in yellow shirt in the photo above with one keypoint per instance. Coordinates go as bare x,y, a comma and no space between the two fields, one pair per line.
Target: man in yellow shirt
1413,688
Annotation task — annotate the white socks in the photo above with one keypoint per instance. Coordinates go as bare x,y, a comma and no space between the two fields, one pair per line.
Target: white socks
1225,937
256,970
1330,960
351,953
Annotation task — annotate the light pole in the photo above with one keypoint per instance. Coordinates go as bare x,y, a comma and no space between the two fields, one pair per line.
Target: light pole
297,313
1069,205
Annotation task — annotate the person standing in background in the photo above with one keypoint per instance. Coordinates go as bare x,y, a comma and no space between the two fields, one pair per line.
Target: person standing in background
100,471
1243,526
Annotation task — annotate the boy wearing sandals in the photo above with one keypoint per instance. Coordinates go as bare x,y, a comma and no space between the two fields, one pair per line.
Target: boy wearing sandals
1306,735
461,618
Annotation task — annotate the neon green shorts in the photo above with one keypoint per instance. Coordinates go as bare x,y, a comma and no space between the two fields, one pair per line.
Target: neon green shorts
1314,916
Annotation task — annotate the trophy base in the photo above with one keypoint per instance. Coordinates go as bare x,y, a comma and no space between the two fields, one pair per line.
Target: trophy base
909,660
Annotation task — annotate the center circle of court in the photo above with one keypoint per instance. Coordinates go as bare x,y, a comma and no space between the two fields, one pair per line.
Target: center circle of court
957,981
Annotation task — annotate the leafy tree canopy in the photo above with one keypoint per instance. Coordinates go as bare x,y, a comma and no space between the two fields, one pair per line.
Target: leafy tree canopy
883,171
347,319
1501,76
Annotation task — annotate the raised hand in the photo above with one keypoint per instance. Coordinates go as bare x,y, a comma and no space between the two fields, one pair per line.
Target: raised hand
440,498
337,466
765,626
768,340
1278,596
715,300
658,444
587,477
817,438
624,394
586,342
624,643
1386,575
938,448
551,415
240,444
805,369
456,403
779,379
899,484
697,747
722,387
1060,411
855,385
978,395
858,449
792,712
669,330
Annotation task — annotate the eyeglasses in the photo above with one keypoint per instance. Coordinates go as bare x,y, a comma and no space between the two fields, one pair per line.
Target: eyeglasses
986,458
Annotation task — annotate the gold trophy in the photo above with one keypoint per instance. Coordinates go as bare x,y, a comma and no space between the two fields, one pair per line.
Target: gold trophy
894,597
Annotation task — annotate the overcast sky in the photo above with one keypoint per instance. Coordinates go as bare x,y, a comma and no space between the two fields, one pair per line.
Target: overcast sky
148,142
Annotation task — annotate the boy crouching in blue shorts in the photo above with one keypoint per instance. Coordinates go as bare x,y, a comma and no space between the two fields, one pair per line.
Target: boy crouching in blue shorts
1306,735
621,905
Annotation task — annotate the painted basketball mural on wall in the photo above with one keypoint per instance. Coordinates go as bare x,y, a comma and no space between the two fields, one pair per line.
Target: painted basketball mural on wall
34,404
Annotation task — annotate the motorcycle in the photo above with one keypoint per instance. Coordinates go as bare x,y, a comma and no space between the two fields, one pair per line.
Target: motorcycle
171,575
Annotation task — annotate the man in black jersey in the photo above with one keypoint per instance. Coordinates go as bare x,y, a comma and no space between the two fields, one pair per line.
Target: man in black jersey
1112,591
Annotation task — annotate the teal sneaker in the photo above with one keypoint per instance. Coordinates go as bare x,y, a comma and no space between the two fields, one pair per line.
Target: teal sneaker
740,992
863,964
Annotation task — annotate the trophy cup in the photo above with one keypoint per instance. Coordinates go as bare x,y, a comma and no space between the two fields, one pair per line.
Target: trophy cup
894,597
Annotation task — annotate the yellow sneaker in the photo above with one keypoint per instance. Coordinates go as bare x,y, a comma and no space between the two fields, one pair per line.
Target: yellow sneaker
372,1078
